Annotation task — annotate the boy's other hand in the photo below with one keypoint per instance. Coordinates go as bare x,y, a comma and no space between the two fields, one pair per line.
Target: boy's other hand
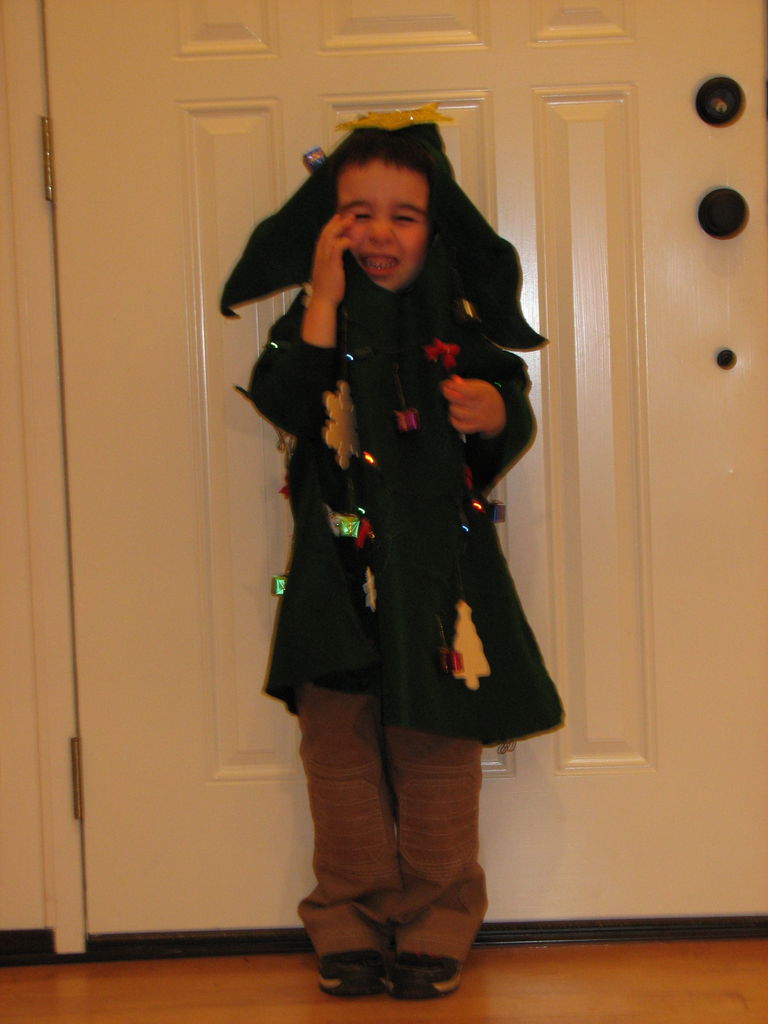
474,406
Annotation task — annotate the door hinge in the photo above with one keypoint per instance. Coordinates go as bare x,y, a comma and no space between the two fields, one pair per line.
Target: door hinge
48,184
77,778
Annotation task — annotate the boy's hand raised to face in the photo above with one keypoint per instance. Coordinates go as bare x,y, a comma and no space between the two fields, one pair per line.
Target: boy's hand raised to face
328,283
328,265
474,406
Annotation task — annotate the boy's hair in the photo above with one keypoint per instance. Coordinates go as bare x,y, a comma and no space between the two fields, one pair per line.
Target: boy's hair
394,148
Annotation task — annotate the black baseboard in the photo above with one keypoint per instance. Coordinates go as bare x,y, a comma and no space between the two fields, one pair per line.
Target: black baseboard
650,929
155,946
37,947
30,942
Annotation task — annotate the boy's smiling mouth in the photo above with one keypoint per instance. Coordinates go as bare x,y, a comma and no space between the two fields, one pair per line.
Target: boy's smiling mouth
378,263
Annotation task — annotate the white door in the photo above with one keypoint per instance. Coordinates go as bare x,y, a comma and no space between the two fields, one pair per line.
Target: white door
635,527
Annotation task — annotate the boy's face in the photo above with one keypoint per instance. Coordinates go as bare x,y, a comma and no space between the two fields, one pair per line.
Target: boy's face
389,226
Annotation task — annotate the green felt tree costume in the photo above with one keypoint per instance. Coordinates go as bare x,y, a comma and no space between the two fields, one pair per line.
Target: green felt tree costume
432,545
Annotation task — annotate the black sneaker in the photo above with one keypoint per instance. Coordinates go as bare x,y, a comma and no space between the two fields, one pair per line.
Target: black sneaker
360,972
417,976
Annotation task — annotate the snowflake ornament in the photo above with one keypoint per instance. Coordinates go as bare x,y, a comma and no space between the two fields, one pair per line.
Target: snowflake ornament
340,430
369,587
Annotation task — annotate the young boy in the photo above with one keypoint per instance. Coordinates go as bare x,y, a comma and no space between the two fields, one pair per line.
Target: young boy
400,643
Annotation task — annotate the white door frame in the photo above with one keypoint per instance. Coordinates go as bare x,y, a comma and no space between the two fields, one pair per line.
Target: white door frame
27,234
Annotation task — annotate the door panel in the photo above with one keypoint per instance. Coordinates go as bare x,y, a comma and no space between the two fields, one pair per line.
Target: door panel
635,524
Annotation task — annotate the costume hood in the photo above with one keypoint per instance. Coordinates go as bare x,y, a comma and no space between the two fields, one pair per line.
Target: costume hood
279,253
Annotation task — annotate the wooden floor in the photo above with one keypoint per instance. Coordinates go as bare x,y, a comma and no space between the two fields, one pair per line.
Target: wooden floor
653,983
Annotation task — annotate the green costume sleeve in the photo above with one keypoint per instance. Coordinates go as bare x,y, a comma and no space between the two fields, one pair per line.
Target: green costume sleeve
290,377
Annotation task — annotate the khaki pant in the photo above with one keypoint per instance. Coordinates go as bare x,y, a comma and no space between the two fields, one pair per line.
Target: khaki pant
396,831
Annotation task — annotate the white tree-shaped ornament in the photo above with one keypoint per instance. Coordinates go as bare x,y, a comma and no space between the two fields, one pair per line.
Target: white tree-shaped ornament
467,642
340,430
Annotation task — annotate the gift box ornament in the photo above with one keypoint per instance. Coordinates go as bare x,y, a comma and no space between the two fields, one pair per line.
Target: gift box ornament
450,661
407,420
279,584
498,512
344,524
314,158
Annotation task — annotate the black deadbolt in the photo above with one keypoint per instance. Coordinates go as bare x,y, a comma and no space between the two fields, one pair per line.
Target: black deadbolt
723,212
719,101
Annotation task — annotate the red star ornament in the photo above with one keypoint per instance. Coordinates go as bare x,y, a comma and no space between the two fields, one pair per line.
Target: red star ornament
442,351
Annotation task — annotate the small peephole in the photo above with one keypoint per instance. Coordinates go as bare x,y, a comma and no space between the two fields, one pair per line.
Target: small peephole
726,358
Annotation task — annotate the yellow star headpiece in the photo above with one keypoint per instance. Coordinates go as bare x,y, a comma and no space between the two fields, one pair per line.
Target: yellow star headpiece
393,120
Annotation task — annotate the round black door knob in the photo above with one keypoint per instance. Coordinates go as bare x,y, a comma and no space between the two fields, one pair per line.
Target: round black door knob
723,212
719,101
